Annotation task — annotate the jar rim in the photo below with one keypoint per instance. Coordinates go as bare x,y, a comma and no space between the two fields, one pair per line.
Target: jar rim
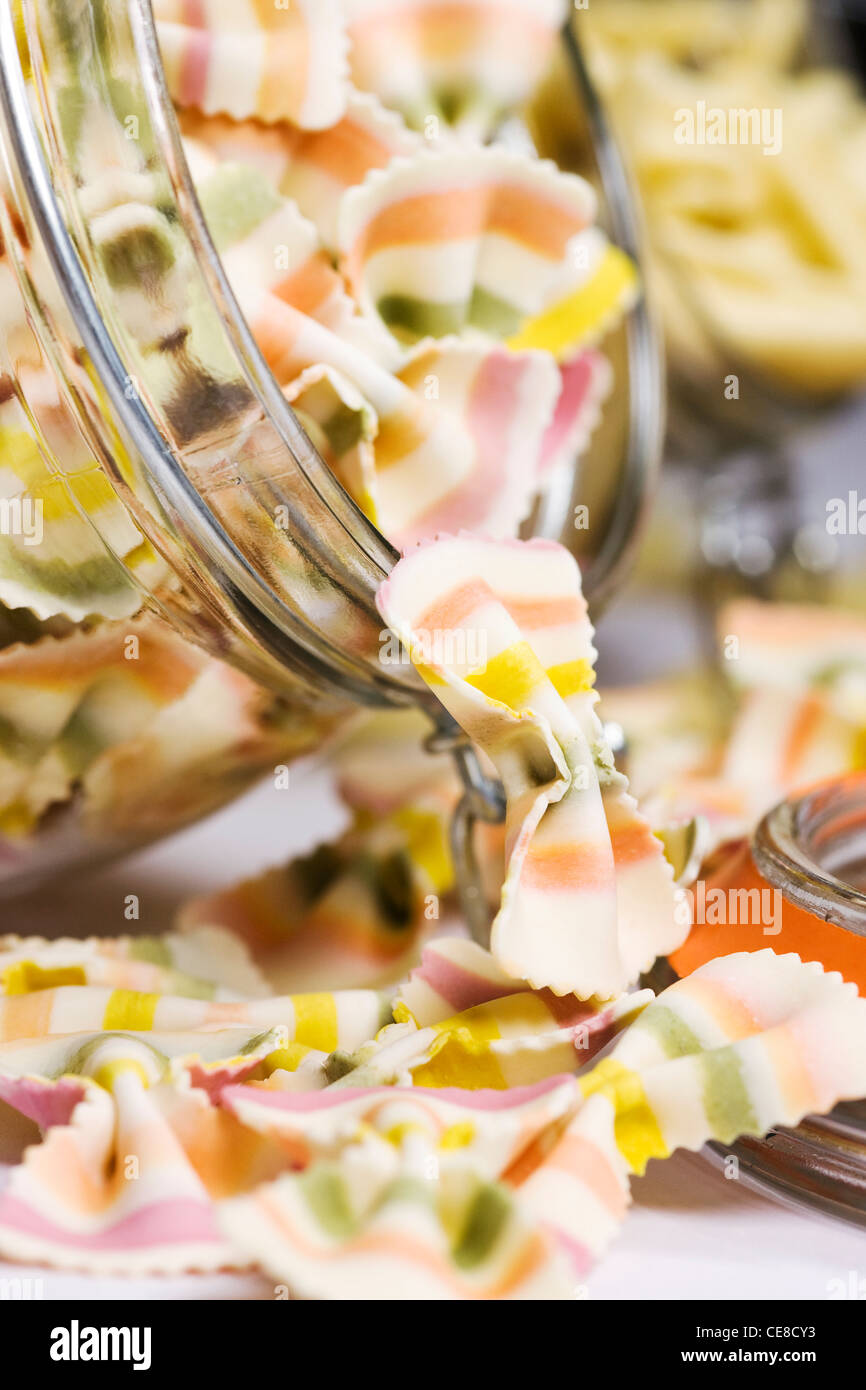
804,844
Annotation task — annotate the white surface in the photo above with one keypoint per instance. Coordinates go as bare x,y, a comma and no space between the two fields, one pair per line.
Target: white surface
690,1234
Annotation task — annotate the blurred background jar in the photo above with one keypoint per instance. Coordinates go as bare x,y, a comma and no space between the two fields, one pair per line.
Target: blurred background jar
743,123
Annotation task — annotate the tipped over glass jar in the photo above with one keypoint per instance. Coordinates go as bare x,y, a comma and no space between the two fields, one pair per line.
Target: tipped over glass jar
223,410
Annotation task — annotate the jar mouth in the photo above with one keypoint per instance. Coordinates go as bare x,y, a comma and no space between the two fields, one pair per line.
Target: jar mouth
813,848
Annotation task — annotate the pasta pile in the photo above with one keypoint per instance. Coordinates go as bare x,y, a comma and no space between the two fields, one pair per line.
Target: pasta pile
267,1086
757,241
193,1122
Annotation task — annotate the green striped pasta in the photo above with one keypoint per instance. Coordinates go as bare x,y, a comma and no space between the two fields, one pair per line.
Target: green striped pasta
312,167
466,66
442,242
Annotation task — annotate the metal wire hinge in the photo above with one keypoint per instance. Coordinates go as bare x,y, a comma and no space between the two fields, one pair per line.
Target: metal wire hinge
483,799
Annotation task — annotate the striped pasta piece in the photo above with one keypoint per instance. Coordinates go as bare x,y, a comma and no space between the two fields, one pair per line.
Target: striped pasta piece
324,1020
58,557
64,700
212,1054
500,632
469,66
478,239
313,167
484,1029
793,646
128,1175
255,58
460,433
269,249
476,458
332,1233
456,433
125,729
489,1129
471,452
403,1201
205,962
350,913
586,381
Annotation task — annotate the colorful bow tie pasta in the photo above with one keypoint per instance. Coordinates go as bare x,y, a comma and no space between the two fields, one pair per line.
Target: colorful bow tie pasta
466,1151
501,633
791,713
468,65
314,168
465,430
117,732
277,62
441,242
515,1194
199,963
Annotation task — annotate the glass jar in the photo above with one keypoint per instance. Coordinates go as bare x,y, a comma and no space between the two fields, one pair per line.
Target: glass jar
174,477
811,852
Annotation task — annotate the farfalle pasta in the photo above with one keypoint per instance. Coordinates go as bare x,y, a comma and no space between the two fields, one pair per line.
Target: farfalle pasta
797,647
793,714
495,409
56,694
588,898
463,429
127,1084
203,962
461,432
479,1027
57,563
314,168
135,1149
586,380
352,911
126,1183
715,1056
326,1021
467,66
275,62
445,241
115,733
195,1133
375,1219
